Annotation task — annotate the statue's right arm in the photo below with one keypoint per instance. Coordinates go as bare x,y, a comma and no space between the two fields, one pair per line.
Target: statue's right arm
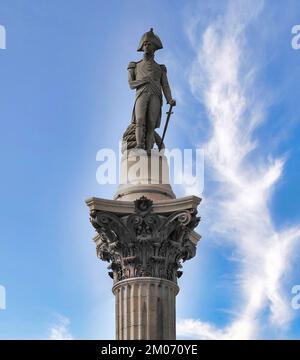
133,83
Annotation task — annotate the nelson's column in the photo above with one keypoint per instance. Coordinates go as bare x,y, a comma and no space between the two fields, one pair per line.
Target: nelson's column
145,233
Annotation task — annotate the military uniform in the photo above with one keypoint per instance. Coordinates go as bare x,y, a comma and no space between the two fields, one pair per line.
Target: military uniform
149,79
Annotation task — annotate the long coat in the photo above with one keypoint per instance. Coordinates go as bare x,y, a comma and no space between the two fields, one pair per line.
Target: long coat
138,71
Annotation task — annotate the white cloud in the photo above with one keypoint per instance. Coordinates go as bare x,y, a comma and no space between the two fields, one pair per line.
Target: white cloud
199,330
60,330
223,81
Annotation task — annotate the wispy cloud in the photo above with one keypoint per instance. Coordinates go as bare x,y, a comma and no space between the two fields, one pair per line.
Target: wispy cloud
60,330
223,80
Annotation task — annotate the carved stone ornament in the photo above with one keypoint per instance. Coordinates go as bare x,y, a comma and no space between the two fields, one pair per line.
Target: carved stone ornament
145,243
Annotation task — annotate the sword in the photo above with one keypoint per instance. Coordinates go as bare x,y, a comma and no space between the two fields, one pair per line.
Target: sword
169,113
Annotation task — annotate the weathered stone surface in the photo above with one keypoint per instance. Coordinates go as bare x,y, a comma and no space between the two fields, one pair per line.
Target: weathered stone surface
145,243
148,317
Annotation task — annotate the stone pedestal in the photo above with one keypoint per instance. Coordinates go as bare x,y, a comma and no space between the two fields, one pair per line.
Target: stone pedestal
144,174
145,234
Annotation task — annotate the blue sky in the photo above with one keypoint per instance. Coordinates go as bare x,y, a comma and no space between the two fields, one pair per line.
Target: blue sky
64,95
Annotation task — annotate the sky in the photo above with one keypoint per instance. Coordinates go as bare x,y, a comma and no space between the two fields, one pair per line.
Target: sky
64,96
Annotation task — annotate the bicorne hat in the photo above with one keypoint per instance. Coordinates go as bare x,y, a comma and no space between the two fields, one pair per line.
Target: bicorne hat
153,38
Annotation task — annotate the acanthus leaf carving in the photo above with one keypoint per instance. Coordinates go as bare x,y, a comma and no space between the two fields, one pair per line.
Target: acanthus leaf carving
145,243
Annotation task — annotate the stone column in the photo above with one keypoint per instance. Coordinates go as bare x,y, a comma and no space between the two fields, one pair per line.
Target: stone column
145,234
145,309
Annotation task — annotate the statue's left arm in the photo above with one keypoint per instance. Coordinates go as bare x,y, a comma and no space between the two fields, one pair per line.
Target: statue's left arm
165,86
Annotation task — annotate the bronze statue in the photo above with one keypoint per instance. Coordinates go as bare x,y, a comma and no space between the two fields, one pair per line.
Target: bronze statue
149,79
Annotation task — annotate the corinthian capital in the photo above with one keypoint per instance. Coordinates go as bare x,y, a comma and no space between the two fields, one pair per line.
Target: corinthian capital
147,239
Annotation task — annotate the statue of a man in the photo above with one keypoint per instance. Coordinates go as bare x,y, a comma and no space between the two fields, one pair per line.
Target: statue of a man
149,79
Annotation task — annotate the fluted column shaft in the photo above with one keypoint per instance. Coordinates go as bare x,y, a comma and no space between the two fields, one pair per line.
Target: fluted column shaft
145,309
